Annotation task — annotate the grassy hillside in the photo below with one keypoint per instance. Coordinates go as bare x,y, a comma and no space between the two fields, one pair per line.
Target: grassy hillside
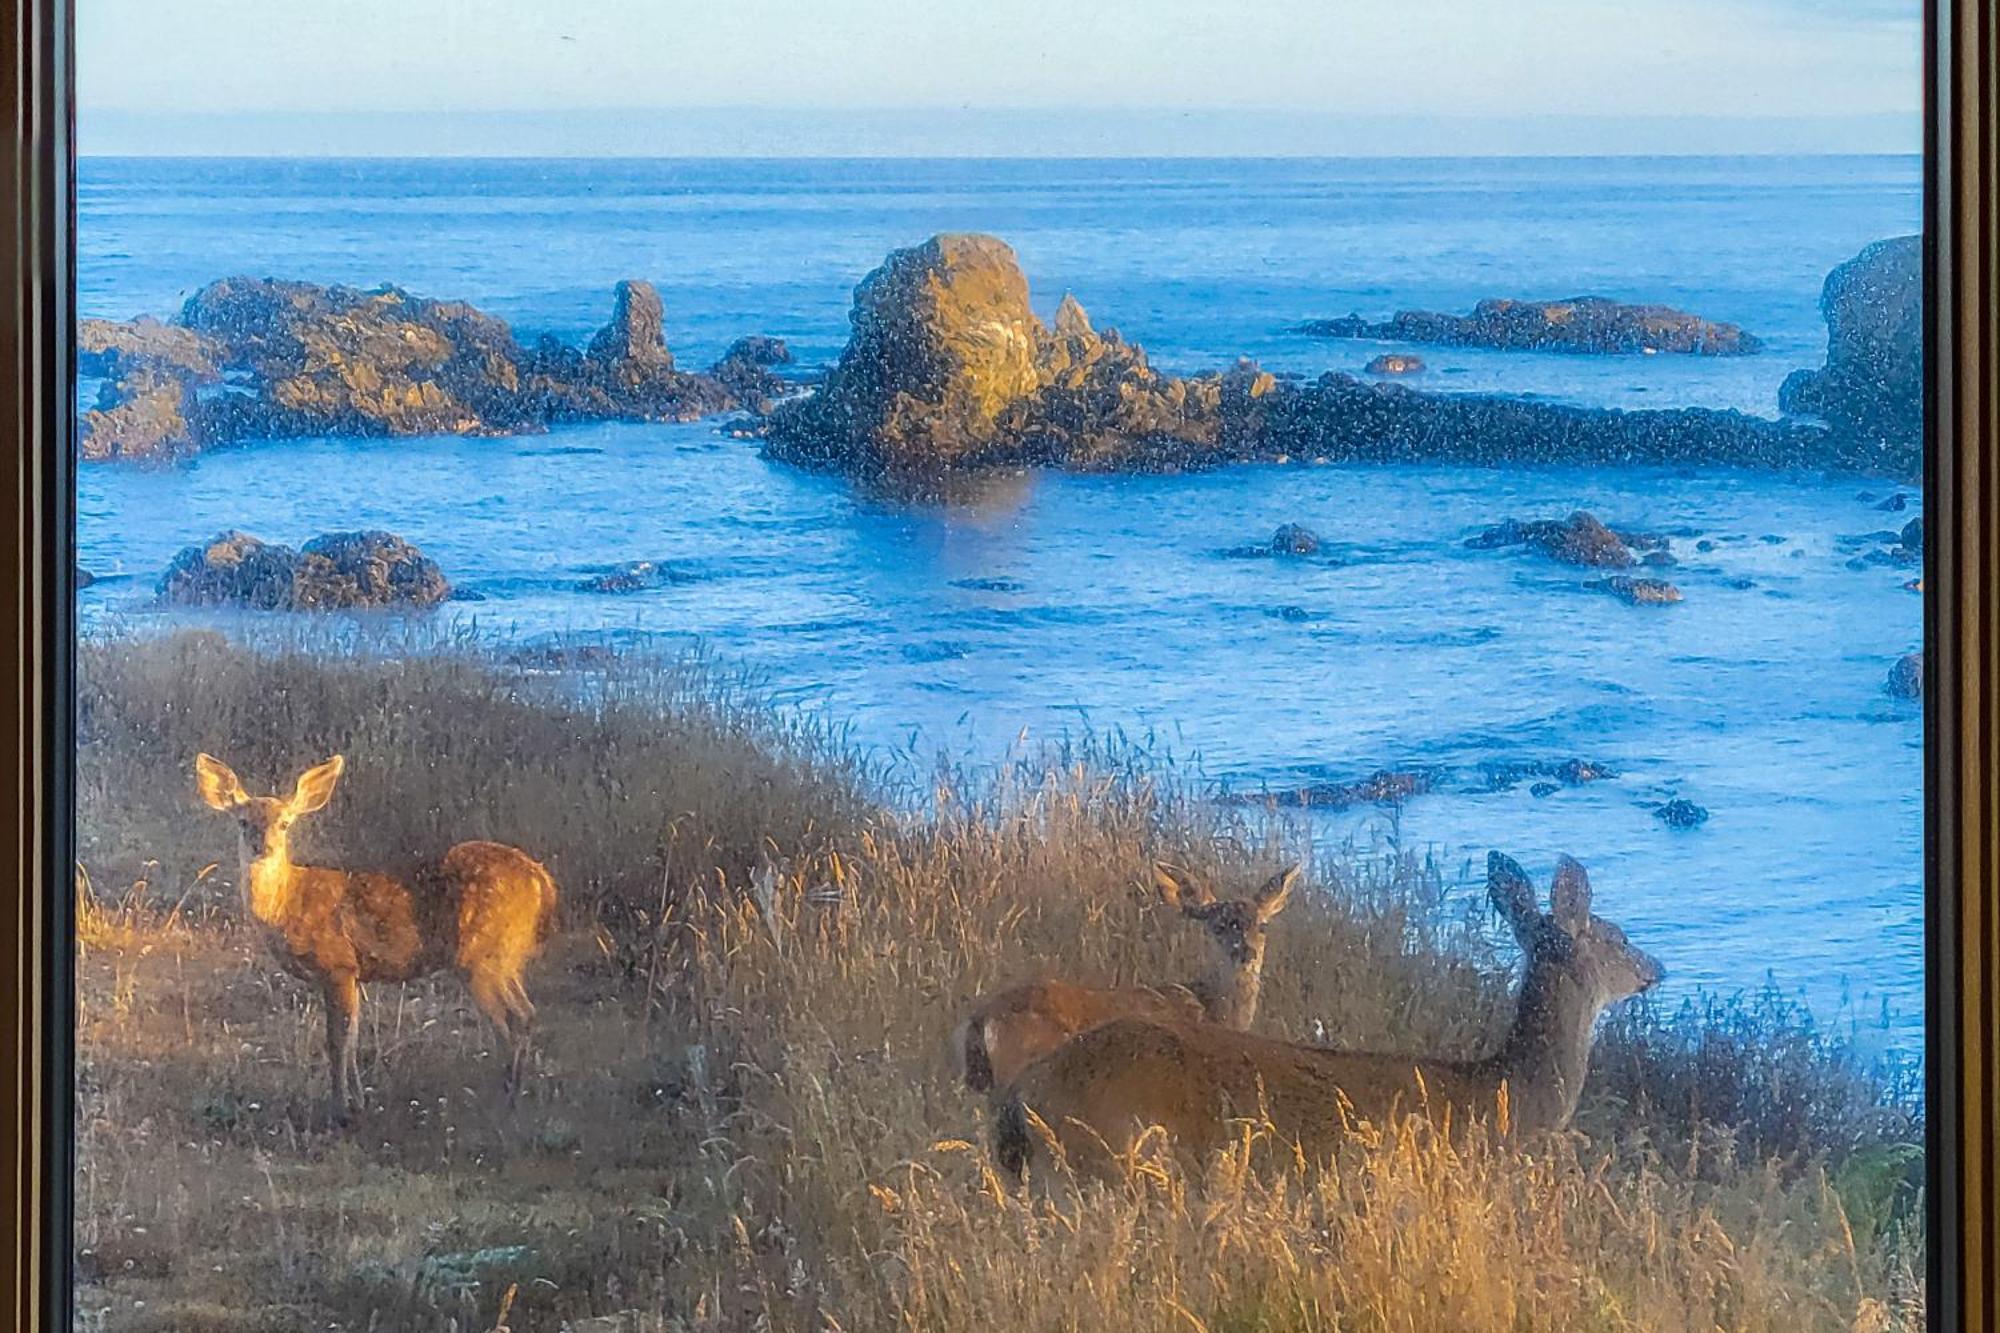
750,1120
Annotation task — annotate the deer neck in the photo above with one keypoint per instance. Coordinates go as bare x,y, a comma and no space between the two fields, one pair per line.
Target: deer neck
1547,1052
267,884
1230,993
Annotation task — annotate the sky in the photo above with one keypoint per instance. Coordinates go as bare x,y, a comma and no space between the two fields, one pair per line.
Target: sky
1021,78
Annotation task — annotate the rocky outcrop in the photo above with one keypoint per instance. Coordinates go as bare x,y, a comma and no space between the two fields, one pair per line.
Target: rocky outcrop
108,349
1871,389
258,358
747,370
1582,324
1906,678
337,571
948,369
143,414
1580,539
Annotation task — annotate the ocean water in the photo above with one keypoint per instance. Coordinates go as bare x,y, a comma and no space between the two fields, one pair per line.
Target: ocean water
1044,605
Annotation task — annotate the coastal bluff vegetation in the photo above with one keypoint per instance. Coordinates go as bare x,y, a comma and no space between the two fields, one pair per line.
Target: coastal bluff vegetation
948,369
744,1110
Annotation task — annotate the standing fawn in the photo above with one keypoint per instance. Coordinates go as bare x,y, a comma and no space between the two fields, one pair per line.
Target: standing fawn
1006,1032
1102,1090
483,911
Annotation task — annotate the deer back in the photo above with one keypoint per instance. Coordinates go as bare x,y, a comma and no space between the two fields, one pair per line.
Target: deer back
1104,1088
1006,1032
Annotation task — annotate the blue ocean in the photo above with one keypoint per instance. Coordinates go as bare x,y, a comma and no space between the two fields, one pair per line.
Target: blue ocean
1045,605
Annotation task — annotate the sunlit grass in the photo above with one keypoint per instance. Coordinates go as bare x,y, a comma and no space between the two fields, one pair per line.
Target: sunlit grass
745,1116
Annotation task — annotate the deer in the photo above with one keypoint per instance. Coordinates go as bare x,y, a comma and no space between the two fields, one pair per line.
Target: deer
1098,1094
1006,1032
483,910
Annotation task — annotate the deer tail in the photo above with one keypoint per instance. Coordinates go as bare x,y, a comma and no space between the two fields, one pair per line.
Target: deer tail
1011,1135
974,1060
545,917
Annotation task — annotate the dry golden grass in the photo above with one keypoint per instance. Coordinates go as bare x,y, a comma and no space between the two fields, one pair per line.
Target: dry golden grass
749,1119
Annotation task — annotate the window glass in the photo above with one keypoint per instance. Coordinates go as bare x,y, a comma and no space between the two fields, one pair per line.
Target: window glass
805,667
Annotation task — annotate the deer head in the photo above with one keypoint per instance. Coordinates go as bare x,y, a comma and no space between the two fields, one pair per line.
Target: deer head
1236,928
264,823
1577,964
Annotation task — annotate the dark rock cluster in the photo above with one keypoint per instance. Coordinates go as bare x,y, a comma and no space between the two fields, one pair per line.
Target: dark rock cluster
1871,389
337,571
1582,324
1580,539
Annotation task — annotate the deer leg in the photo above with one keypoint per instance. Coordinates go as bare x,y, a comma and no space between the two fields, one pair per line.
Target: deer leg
343,1031
496,996
522,1013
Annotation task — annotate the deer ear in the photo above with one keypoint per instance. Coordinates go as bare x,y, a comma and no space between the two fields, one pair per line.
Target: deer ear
1513,895
1179,889
218,783
315,787
1569,898
1277,891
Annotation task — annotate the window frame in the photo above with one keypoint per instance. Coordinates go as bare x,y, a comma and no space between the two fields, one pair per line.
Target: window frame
1961,634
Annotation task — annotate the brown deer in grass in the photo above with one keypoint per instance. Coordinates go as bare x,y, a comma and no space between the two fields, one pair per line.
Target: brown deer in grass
1099,1092
1006,1032
483,911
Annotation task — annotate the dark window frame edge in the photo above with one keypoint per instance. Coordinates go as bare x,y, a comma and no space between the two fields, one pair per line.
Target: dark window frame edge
1962,630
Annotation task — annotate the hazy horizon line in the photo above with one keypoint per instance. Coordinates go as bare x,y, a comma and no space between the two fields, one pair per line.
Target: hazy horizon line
1020,133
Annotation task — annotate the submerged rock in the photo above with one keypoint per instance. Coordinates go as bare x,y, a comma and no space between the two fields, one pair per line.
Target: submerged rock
634,576
1582,324
1396,363
1906,678
1506,774
1680,813
1384,787
1580,539
337,571
1911,538
84,578
297,358
1640,592
1294,539
1871,389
